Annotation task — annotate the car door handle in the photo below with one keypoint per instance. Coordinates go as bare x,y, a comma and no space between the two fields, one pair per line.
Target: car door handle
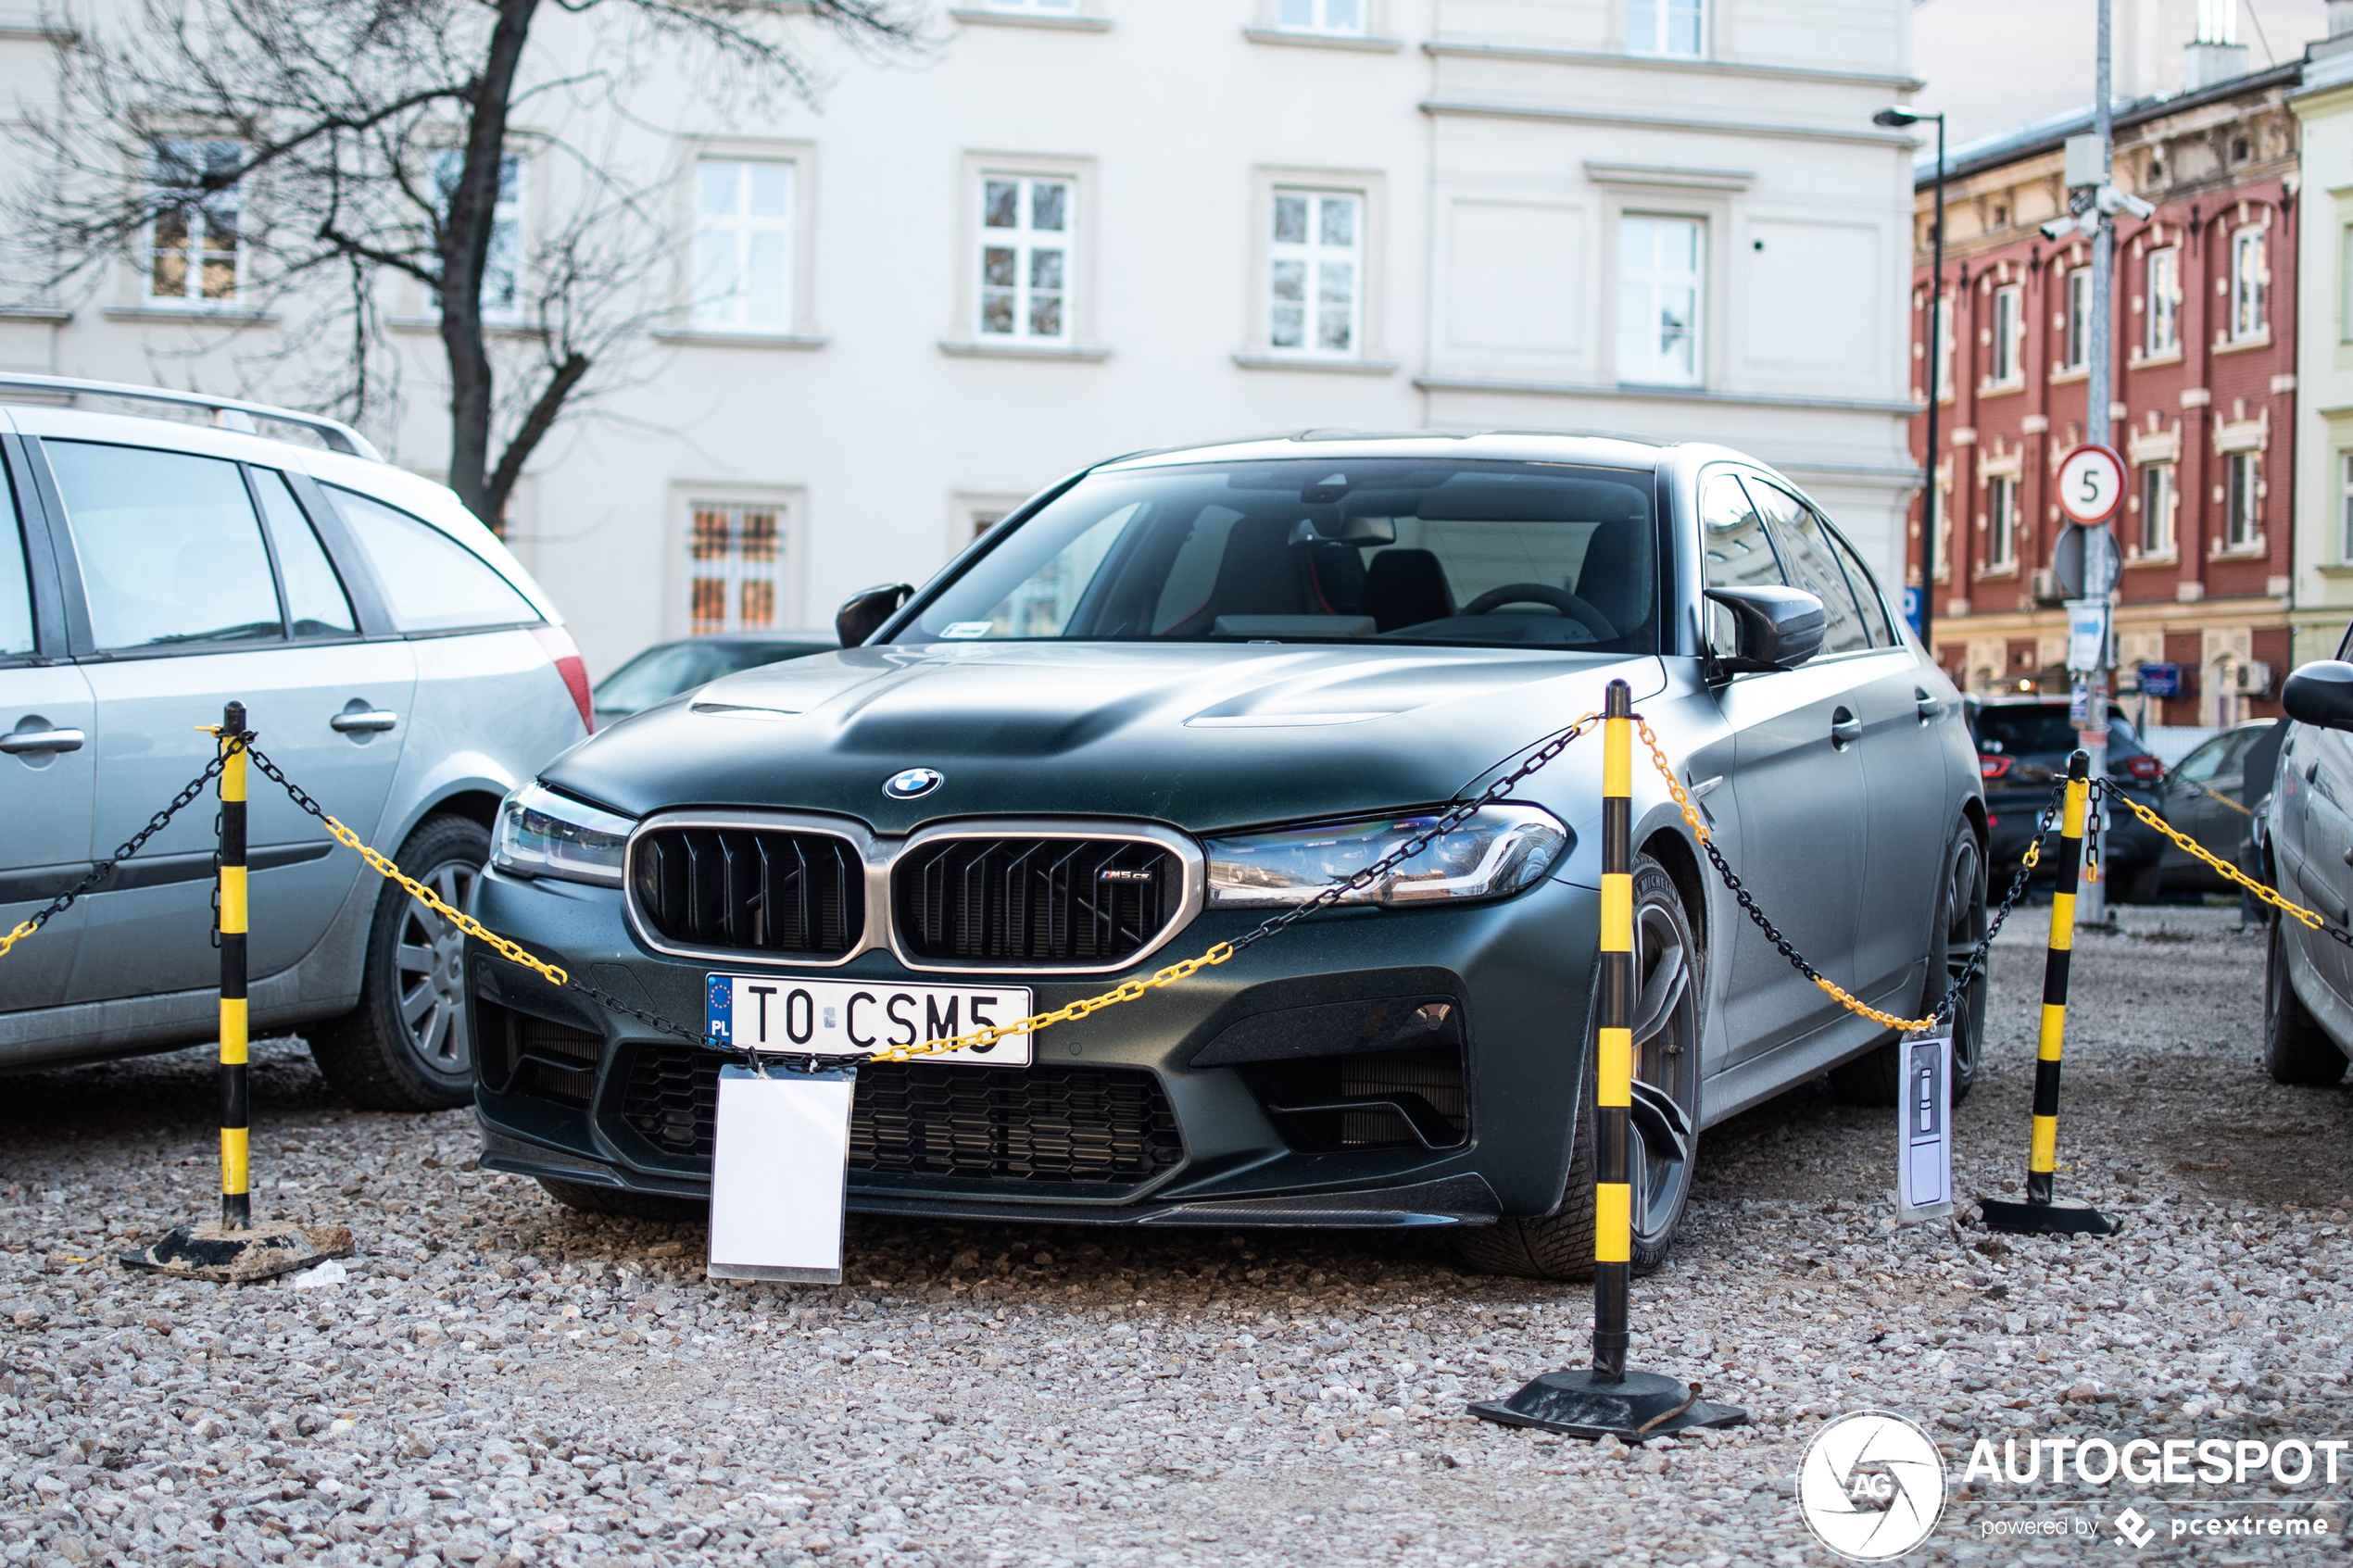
1929,708
21,741
1845,728
366,720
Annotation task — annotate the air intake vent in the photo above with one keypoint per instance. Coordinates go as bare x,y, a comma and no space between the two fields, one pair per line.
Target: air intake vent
761,890
1020,1126
1011,901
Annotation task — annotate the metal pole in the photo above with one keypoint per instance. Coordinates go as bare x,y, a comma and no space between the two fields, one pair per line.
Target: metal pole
1931,512
2098,393
1614,1042
236,1202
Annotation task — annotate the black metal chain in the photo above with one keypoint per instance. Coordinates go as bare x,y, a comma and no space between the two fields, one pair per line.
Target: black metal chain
1954,989
137,840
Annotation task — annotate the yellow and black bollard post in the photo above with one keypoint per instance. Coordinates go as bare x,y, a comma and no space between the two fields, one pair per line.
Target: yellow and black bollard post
2038,1214
1607,1401
234,1249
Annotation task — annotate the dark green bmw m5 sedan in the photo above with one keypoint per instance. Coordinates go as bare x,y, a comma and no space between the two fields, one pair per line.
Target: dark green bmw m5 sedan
1180,692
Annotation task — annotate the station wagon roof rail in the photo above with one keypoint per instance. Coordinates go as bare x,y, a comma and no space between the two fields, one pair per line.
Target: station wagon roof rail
230,413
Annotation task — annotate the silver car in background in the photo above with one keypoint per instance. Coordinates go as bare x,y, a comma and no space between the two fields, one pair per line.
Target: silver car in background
392,656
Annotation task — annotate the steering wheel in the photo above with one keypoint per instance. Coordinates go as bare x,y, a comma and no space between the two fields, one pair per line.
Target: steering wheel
1561,599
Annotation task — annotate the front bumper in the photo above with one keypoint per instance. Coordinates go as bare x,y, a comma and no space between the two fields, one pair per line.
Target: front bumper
1126,1117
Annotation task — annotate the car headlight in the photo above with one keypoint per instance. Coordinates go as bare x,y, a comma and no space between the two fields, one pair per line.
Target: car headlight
1498,849
542,834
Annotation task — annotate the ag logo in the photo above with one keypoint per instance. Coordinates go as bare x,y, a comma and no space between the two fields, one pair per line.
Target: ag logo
912,782
1871,1487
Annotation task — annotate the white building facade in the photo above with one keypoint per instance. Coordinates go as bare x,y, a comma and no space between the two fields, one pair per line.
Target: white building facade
1078,228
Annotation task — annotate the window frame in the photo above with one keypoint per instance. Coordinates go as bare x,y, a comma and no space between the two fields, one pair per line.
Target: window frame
1312,255
1659,278
2001,522
2005,367
742,228
1658,44
516,208
2344,507
1024,287
1080,274
790,502
2242,501
2163,306
2078,330
2159,495
2250,283
152,186
1322,27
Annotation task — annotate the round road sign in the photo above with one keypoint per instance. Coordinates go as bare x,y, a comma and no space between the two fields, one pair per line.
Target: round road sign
2090,484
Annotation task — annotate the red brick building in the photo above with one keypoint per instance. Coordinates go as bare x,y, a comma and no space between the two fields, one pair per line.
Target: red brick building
2203,344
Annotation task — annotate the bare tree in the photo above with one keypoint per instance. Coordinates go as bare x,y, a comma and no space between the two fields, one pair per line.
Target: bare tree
311,150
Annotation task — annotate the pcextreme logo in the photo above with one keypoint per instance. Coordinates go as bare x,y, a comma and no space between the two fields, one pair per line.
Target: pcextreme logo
1871,1487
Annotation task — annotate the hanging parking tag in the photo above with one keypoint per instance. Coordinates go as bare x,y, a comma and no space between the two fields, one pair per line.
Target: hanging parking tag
1924,1144
779,1176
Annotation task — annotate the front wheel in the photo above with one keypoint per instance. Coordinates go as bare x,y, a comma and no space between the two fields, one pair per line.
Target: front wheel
2294,1048
405,1046
1664,1121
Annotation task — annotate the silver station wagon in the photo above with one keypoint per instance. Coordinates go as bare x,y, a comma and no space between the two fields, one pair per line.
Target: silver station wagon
392,654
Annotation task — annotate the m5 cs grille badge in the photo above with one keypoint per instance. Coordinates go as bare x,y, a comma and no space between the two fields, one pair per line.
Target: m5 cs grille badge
913,783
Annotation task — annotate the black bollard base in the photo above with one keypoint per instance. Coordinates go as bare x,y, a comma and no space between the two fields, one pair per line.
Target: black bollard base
207,1252
2043,1219
1578,1404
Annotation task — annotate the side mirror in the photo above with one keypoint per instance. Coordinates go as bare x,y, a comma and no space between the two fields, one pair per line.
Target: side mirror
1772,628
868,608
2320,693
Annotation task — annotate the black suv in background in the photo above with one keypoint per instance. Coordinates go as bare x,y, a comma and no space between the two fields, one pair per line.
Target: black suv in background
2023,746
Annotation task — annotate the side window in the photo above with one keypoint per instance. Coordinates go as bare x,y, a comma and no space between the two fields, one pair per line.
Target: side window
16,582
1867,595
431,581
170,549
1733,539
1812,567
315,600
2206,761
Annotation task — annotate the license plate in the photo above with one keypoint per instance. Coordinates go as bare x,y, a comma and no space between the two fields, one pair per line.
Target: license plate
855,1018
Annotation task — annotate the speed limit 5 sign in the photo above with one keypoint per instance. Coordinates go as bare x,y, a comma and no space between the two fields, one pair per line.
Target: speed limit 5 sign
2090,484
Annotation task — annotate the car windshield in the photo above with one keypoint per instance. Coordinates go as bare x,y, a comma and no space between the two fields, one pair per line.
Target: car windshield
664,672
1416,551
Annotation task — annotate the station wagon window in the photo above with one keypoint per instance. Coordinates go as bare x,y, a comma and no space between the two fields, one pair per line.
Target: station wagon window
431,583
1812,566
169,548
1292,550
15,583
316,605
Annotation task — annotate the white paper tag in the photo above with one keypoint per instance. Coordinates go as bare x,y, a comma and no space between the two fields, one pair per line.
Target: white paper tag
1924,1130
779,1176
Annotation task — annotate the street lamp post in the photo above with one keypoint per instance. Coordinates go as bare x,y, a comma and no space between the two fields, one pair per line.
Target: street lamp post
1896,119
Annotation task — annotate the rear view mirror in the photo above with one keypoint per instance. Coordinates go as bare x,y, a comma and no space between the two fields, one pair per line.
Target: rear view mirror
1772,628
868,608
2320,693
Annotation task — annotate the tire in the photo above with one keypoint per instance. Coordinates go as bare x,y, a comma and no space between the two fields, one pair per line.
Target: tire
1958,926
1559,1246
585,1200
2294,1048
406,1045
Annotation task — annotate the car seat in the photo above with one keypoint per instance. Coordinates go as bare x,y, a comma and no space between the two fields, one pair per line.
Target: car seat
1615,577
1406,587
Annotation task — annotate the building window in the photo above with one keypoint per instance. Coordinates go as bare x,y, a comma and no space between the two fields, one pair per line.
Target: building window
2079,318
1343,17
735,568
194,250
1941,526
1945,339
2250,282
502,272
2242,501
1658,301
1315,274
2007,371
2157,509
1024,260
1666,27
743,246
2345,507
2164,283
2001,521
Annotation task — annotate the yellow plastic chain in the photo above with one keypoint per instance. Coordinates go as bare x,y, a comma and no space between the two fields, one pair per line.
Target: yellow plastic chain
23,930
2268,894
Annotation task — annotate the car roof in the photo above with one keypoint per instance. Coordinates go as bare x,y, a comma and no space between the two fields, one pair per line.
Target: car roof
1599,448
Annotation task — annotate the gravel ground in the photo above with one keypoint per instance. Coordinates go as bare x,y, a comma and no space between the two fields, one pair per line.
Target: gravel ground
500,1381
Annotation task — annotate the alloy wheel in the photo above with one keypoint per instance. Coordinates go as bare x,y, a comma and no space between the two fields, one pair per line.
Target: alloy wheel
1965,920
1666,1088
431,960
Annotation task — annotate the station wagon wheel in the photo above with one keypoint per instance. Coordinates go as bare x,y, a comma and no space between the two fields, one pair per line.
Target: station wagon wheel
406,1046
1670,973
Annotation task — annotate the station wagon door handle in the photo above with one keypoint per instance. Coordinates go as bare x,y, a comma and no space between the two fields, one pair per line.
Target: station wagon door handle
367,720
1845,728
22,740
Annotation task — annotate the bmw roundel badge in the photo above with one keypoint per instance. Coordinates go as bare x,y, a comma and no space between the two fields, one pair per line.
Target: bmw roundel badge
913,783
